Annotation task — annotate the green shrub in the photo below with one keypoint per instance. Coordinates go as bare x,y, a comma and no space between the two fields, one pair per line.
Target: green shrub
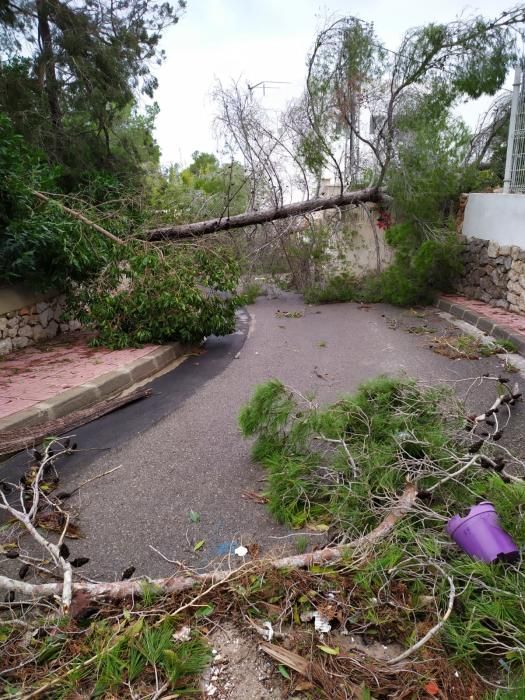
250,292
338,288
421,268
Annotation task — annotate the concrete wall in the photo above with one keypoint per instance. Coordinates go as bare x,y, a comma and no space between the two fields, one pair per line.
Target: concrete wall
27,317
352,248
496,217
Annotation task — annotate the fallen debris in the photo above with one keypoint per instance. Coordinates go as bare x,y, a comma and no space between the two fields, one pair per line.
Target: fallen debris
289,314
12,441
468,347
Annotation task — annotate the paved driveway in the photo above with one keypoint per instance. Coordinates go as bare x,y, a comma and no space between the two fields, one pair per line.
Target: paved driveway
183,450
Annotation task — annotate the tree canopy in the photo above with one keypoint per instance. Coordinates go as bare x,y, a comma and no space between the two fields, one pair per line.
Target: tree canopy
70,74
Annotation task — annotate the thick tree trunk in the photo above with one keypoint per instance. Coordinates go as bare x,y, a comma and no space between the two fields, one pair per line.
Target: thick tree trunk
48,60
202,228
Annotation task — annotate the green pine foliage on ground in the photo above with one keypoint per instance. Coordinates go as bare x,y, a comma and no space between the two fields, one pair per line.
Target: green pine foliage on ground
341,467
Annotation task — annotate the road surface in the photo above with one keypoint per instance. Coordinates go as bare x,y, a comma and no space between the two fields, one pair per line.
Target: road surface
181,450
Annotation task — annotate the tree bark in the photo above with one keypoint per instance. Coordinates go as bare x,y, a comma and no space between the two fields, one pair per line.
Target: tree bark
116,590
48,59
203,228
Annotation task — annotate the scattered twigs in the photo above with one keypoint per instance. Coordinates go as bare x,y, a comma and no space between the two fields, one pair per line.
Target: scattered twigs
176,584
77,215
435,629
94,478
453,475
351,461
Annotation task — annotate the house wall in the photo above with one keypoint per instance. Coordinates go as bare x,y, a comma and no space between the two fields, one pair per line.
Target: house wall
496,217
27,317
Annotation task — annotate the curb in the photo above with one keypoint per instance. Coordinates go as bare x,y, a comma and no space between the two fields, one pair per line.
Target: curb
89,393
482,322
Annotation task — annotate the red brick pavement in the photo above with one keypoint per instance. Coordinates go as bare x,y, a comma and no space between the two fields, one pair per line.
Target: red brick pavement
515,323
38,373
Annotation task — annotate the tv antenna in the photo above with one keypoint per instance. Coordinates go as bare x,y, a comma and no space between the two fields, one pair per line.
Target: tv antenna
267,85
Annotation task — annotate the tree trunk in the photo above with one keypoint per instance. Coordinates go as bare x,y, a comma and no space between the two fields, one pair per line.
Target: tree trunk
203,228
47,57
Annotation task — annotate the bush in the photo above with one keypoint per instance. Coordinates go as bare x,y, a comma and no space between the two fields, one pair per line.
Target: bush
39,243
335,289
250,292
152,296
420,269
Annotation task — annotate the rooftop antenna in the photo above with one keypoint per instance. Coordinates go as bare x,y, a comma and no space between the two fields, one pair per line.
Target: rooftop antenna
267,85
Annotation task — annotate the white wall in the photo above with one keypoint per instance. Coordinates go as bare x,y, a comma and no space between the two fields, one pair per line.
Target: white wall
496,217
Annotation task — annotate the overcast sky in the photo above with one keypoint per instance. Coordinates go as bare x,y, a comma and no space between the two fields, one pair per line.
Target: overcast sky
256,40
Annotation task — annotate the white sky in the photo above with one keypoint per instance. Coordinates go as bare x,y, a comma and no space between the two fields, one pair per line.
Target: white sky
255,40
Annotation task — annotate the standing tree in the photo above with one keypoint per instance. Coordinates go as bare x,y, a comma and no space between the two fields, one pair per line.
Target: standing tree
73,69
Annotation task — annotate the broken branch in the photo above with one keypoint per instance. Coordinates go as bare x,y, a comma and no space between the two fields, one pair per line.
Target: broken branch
77,215
177,584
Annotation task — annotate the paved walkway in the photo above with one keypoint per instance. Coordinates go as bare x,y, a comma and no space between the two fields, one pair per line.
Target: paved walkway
491,319
37,373
181,449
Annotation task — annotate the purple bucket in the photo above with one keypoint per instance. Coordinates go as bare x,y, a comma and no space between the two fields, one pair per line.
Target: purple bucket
480,534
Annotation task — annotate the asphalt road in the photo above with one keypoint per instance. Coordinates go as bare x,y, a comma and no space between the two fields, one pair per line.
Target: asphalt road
181,450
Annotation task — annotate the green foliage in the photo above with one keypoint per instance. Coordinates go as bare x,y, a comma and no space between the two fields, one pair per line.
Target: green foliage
506,344
250,292
205,189
71,78
303,482
392,427
335,289
421,268
141,648
148,296
39,244
301,543
430,170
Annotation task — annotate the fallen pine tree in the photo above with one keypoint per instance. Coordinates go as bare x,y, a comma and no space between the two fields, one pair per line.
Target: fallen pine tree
252,218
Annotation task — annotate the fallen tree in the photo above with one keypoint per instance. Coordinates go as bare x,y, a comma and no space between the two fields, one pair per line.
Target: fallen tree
203,228
400,569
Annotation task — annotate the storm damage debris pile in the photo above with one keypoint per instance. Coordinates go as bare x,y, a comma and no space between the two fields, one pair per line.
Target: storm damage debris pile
391,608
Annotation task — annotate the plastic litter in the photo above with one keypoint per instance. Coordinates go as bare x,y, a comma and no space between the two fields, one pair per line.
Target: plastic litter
268,626
480,534
321,624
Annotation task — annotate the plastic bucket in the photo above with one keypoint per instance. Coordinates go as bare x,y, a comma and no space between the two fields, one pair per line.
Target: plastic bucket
480,534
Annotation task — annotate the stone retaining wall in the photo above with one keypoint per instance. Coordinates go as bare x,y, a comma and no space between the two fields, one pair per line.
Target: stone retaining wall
494,274
32,323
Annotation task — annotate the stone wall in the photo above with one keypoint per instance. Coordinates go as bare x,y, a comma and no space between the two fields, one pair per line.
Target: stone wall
494,274
33,322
